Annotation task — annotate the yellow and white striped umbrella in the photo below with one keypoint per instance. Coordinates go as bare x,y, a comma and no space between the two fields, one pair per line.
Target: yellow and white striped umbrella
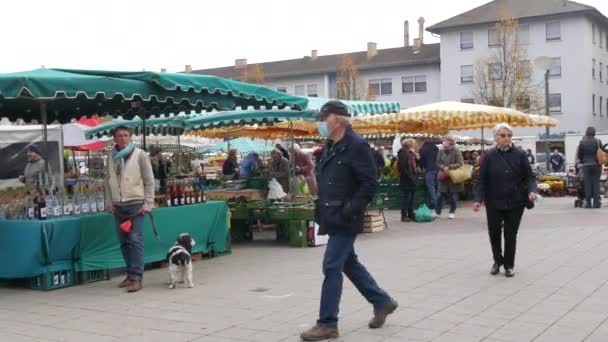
454,116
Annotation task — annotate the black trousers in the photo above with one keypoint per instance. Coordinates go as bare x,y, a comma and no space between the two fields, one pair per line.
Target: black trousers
591,180
507,220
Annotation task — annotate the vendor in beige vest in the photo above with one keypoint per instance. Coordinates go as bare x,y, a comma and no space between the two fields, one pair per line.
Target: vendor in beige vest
130,189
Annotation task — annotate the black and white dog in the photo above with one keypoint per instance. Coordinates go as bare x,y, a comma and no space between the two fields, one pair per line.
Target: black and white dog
180,261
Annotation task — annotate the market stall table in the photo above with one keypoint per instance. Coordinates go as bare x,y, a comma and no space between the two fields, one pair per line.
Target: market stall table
88,243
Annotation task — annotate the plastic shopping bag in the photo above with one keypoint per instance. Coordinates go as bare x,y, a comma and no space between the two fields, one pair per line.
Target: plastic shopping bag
275,190
423,214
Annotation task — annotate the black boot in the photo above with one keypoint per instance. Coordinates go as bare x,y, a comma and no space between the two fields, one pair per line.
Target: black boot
412,215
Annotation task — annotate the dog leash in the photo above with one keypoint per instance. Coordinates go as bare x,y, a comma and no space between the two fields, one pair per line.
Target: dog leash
153,226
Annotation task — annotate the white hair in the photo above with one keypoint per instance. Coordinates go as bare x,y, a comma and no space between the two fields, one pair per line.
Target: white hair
502,126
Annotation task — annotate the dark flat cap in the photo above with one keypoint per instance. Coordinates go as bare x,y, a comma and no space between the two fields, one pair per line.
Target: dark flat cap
332,107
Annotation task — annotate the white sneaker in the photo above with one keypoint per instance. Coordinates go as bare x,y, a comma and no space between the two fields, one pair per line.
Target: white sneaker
452,216
434,215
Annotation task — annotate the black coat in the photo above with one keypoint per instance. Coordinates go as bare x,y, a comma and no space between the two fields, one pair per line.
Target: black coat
586,152
348,177
505,179
428,156
407,174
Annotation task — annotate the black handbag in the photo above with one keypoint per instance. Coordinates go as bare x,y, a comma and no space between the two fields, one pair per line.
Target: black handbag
529,204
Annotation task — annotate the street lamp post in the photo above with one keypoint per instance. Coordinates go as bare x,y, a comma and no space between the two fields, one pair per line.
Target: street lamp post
546,63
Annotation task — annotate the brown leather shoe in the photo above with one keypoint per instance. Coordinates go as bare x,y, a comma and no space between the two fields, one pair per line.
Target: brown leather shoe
134,286
124,283
320,333
380,314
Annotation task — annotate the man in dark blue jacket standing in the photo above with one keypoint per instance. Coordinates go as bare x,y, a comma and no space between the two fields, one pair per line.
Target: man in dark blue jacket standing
347,177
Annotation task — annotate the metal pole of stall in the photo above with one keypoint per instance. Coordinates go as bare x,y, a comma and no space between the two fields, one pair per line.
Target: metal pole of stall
44,121
547,114
179,153
143,131
482,139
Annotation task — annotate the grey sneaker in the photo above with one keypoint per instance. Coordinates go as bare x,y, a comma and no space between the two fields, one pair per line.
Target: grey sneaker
320,333
509,273
380,314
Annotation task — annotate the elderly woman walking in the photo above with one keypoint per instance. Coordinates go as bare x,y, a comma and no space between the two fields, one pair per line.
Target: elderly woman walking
506,185
449,158
586,157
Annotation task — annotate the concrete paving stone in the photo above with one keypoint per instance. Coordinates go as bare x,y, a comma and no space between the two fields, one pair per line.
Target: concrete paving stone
472,330
6,336
418,334
449,337
583,320
236,333
433,324
518,331
561,334
267,336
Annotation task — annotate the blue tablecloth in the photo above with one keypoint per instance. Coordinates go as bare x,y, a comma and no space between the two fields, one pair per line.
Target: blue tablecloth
27,247
31,248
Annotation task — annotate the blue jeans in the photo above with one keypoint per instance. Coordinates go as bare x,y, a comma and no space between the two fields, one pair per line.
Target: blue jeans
452,197
430,178
340,258
132,244
407,206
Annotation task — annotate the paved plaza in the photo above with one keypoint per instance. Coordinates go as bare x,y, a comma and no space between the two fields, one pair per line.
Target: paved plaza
266,291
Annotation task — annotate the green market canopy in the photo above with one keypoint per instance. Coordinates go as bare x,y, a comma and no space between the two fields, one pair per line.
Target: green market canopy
62,95
242,145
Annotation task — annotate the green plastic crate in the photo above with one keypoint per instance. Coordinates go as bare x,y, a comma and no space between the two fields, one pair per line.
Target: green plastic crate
239,212
86,277
279,214
298,233
51,280
257,183
303,213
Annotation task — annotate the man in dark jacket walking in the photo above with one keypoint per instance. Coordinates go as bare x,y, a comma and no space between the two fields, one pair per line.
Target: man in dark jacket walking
428,160
347,178
506,185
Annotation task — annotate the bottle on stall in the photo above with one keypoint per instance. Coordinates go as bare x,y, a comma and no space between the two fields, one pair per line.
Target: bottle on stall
188,193
76,201
179,194
168,193
92,199
42,210
68,203
58,208
173,194
84,201
193,195
50,203
101,199
30,207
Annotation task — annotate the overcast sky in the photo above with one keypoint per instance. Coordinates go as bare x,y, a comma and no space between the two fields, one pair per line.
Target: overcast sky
136,35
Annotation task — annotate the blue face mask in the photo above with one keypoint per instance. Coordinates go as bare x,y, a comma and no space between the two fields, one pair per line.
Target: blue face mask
323,129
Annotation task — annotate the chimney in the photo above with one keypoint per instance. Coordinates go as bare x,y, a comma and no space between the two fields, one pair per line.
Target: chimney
163,69
188,68
372,50
240,63
421,30
406,33
314,54
417,43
